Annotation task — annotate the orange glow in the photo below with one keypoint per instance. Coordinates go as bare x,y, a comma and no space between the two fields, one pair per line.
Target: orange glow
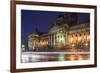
44,43
71,39
80,57
86,44
84,37
79,38
88,37
73,45
72,57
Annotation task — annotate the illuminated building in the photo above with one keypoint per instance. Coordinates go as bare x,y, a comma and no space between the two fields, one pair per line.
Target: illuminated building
37,40
76,36
43,40
33,41
66,33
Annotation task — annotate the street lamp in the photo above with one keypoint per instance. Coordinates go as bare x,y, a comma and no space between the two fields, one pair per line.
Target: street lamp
23,47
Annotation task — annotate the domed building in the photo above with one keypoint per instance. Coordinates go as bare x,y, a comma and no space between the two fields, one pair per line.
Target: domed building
37,40
65,34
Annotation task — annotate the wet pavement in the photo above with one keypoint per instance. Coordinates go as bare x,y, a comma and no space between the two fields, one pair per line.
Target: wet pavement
31,57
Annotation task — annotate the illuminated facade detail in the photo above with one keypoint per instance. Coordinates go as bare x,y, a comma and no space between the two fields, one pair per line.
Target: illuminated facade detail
74,37
58,34
33,41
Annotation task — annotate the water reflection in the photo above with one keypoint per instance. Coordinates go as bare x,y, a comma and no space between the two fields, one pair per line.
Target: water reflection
45,57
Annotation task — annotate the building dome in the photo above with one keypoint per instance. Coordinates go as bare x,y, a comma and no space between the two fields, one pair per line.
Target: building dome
57,28
54,29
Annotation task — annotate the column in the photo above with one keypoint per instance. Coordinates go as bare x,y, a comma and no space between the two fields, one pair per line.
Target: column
51,40
54,40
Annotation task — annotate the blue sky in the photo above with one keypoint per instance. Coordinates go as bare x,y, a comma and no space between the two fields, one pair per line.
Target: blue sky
42,20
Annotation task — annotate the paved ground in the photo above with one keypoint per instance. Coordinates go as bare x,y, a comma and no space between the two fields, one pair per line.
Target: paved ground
59,50
45,57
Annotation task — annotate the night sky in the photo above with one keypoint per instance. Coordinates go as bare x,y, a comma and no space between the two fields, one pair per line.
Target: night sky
42,20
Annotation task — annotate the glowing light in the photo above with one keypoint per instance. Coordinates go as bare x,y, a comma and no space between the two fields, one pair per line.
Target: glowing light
86,44
60,39
84,37
71,39
88,37
73,45
44,43
80,57
23,46
72,57
79,38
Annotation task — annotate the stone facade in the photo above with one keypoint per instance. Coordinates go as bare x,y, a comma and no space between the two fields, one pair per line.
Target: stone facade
63,35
